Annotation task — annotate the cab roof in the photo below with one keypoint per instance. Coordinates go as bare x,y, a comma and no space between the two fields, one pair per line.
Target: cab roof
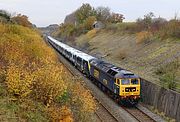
112,70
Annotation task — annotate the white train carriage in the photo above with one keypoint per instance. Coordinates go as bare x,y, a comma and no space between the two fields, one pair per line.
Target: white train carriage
78,58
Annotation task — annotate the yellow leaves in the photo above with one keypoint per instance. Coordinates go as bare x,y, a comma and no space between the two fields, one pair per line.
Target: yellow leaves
30,68
18,80
2,29
49,83
87,103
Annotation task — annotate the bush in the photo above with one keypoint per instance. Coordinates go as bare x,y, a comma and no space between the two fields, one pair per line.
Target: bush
83,102
143,37
5,16
168,74
88,23
168,80
22,20
91,34
171,29
19,81
49,83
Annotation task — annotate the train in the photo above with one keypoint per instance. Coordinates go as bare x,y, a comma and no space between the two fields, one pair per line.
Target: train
123,85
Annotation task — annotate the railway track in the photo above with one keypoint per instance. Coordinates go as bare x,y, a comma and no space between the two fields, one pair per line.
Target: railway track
104,114
138,114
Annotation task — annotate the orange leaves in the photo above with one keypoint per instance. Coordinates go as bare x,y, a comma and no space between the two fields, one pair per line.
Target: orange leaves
62,114
143,36
22,20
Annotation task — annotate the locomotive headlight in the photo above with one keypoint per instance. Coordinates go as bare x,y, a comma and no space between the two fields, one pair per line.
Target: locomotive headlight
123,90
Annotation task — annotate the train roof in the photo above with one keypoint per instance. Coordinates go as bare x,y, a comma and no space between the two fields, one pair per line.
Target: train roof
73,51
112,70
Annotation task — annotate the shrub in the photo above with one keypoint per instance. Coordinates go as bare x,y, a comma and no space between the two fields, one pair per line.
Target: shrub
91,34
22,20
143,37
19,81
49,83
168,74
171,29
83,102
88,23
60,114
5,16
168,80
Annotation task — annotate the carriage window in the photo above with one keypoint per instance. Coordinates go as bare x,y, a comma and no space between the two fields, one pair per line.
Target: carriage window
125,82
134,81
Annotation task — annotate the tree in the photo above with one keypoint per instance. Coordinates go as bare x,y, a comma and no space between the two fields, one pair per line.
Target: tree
22,20
88,23
84,12
103,14
115,18
5,16
148,19
146,22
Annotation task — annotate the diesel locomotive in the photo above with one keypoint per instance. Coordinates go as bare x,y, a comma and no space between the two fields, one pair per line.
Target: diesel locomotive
122,84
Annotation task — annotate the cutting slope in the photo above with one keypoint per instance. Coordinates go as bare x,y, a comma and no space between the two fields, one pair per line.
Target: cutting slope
143,58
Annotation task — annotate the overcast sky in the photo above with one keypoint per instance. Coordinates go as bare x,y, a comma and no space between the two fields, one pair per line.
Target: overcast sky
45,12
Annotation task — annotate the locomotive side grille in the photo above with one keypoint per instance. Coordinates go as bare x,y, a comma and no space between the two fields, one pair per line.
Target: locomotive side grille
130,89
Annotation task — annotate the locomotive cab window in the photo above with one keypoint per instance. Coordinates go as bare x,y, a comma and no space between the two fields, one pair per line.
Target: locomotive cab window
134,81
125,82
118,81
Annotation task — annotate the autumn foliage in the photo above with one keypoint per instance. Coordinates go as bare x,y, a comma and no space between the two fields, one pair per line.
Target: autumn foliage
30,70
22,20
143,36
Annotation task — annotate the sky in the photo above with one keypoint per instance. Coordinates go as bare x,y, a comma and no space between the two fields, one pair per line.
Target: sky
45,12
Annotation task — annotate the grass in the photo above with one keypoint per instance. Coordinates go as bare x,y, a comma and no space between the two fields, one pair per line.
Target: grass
168,75
157,52
161,114
122,54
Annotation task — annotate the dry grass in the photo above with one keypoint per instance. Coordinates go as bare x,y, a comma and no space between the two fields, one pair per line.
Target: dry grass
122,54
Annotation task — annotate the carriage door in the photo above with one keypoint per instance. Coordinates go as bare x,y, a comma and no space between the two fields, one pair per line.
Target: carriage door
117,86
85,66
